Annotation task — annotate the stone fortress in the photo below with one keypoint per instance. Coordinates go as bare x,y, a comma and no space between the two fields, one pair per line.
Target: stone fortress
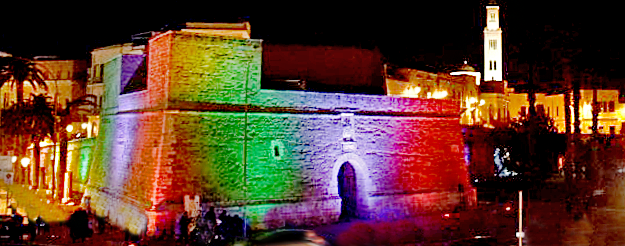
203,126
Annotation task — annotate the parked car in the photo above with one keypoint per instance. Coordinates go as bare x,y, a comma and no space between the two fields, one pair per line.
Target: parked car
290,237
450,220
486,241
7,227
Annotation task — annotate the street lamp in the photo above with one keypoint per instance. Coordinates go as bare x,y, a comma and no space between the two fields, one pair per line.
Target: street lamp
13,159
69,128
25,161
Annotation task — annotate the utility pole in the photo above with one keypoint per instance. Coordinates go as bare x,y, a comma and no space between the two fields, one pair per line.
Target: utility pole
56,140
520,234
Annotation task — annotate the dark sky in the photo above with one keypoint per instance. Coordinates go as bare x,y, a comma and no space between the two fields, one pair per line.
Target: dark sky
398,29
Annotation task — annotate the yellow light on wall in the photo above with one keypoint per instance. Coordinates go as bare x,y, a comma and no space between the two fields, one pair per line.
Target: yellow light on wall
411,91
25,161
439,94
587,109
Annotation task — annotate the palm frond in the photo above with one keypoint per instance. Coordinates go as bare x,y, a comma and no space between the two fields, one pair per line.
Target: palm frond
17,71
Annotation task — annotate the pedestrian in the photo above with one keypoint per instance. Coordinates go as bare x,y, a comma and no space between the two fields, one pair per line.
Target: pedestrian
184,228
39,225
17,231
211,217
238,225
223,216
85,230
78,225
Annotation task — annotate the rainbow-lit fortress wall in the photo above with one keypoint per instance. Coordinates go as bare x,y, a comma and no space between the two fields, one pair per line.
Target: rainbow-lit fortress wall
204,127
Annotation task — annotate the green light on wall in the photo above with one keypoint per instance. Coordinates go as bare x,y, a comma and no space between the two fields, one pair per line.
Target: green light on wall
85,160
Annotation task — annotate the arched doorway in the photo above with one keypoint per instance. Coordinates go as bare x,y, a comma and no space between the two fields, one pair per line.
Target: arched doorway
347,191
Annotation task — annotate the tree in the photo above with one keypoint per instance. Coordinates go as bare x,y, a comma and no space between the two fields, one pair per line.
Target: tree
85,105
14,124
17,71
34,118
40,119
547,144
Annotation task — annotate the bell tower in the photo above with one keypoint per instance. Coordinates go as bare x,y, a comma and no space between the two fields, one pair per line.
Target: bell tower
493,62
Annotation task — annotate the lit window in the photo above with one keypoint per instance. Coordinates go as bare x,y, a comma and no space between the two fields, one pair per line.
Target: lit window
611,106
492,16
491,65
492,44
495,62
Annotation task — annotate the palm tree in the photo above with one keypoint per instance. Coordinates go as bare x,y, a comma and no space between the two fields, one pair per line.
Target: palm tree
85,105
15,72
14,124
40,117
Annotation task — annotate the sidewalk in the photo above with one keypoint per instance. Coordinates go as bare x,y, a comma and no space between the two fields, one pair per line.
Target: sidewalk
427,229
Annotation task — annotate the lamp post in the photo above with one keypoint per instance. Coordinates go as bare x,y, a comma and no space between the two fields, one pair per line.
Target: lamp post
13,161
64,180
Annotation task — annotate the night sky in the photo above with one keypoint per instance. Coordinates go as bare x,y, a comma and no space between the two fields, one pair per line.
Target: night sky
438,31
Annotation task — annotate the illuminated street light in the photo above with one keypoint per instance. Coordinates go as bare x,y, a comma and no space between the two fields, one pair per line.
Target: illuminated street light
69,128
84,125
25,161
482,102
13,159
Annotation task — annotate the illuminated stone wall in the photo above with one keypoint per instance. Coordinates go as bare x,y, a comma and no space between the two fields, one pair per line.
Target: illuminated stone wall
79,159
203,153
187,67
275,160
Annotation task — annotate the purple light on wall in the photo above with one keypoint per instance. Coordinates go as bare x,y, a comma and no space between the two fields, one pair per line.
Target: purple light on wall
130,66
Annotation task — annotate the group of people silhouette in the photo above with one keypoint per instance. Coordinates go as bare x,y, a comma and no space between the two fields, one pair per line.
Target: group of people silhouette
224,227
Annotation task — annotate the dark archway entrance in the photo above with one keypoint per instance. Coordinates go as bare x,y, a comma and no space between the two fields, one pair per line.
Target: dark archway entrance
347,191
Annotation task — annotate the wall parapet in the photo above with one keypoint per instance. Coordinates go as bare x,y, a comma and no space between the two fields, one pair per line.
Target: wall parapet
312,102
133,101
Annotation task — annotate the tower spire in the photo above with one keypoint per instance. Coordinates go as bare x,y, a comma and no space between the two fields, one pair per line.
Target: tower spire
493,58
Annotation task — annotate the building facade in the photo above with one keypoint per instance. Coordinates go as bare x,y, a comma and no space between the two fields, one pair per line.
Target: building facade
461,88
611,114
65,79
